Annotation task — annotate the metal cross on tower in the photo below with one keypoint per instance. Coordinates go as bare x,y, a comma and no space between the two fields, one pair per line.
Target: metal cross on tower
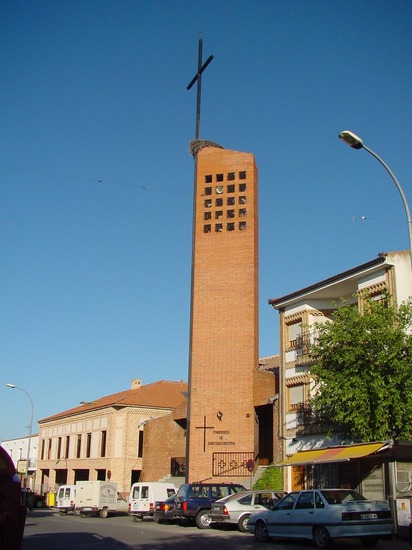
198,77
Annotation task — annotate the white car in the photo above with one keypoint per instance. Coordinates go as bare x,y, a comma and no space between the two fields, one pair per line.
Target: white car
322,515
238,508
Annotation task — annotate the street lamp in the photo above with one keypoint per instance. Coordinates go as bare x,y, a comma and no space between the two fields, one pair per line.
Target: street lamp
355,142
12,386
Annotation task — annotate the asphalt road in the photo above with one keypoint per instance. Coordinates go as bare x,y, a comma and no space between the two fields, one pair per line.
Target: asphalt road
46,529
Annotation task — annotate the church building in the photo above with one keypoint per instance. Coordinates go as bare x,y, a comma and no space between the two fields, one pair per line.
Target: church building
222,429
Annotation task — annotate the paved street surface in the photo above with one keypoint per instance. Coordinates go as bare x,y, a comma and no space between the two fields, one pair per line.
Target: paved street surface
46,529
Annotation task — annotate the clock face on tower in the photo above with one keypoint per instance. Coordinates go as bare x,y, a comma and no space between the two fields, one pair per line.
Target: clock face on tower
219,189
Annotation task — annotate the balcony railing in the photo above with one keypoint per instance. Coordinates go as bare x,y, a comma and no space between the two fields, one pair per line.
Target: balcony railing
296,406
302,344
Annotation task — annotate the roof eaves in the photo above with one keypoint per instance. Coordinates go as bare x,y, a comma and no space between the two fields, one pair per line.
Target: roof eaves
276,302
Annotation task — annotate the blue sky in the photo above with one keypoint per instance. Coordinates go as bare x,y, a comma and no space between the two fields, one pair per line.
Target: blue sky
97,180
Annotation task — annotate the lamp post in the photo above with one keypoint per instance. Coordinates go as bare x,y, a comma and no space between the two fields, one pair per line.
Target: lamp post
14,387
355,142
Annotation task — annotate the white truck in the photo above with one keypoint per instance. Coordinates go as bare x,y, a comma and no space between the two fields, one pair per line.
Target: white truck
99,498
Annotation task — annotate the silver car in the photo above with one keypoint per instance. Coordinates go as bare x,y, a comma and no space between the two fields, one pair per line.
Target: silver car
322,515
239,507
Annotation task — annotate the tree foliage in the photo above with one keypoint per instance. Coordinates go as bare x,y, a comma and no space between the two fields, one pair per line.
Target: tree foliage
363,372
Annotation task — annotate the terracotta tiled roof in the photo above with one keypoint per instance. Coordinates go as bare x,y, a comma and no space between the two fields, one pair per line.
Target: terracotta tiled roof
163,394
269,364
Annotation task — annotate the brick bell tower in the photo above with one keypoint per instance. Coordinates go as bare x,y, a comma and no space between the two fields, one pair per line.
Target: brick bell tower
221,427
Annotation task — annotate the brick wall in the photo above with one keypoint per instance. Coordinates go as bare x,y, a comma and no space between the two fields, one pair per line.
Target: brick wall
164,439
224,350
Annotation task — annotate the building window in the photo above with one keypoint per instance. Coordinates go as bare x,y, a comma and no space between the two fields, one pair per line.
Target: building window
88,445
59,447
296,397
219,202
230,201
49,447
101,475
208,178
208,203
218,214
230,188
230,213
230,226
207,228
242,212
79,446
242,175
231,176
208,191
207,215
242,226
42,449
242,200
294,334
219,227
103,443
140,444
66,454
242,187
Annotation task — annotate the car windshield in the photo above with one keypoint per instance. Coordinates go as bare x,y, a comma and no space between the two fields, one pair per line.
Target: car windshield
287,502
182,491
342,496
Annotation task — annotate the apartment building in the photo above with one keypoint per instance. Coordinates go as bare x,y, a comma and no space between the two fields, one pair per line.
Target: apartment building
20,452
298,312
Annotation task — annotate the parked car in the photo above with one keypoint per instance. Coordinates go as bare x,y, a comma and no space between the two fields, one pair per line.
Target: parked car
194,500
238,508
322,515
164,510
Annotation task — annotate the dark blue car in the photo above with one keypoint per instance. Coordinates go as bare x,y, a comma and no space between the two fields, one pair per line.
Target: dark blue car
194,500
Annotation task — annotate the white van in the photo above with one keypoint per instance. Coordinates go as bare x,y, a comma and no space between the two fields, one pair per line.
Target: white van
65,499
144,494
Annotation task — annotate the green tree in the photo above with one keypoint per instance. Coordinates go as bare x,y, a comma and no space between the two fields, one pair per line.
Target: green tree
363,372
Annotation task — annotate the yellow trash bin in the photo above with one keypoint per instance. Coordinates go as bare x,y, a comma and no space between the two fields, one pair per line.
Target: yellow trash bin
50,499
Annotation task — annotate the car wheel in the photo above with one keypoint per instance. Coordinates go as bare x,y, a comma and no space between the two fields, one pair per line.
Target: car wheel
369,541
63,513
242,524
39,504
104,513
203,520
156,519
261,531
321,537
